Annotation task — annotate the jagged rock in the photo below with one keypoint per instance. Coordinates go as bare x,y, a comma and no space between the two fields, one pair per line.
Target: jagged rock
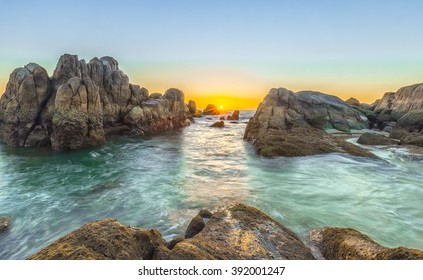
82,104
103,240
353,102
195,226
198,114
409,128
4,224
376,139
219,124
281,127
239,232
350,244
234,116
26,95
211,110
192,107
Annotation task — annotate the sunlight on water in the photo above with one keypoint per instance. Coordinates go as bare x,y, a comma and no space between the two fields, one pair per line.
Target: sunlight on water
164,181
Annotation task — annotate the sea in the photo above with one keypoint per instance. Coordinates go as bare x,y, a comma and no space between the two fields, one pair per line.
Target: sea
163,181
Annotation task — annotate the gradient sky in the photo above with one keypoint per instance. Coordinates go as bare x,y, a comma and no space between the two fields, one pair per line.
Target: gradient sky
226,52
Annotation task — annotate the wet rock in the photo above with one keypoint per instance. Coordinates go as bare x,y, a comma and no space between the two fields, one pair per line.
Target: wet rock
103,240
234,116
376,139
409,128
219,124
239,232
281,127
195,226
211,110
350,244
4,224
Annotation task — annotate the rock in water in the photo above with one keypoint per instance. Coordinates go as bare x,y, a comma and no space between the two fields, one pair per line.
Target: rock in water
409,128
211,110
375,139
234,116
192,107
350,244
195,226
219,124
4,224
81,105
281,127
103,240
239,232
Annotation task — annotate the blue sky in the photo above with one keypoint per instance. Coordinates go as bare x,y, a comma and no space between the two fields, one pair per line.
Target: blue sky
240,48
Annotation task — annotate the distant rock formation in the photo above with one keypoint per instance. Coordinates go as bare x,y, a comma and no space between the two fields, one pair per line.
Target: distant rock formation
350,244
234,116
219,124
211,110
82,104
192,107
289,124
233,232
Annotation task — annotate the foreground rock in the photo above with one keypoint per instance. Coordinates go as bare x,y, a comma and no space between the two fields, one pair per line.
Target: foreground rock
81,105
239,232
376,139
4,224
350,244
211,110
103,240
286,124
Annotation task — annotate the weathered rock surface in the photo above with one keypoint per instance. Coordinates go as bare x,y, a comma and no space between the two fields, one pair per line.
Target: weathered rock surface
350,244
376,139
409,128
103,240
288,124
239,232
81,105
219,124
4,224
211,110
353,101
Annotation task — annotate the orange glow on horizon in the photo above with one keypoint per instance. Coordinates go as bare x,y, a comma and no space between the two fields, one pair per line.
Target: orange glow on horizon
226,103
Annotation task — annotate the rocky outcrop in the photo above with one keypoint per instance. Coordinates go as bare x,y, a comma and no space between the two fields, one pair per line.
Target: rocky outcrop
192,107
239,232
219,124
234,116
103,240
211,110
353,102
81,105
376,139
288,124
409,128
4,224
350,244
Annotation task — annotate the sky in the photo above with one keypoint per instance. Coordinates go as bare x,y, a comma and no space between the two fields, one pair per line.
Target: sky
229,53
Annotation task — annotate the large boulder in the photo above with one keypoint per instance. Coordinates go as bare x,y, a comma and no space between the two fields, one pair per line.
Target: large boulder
103,240
211,110
282,127
350,244
376,139
21,106
239,232
409,128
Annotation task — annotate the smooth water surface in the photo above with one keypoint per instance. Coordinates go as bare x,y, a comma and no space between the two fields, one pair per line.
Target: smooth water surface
164,181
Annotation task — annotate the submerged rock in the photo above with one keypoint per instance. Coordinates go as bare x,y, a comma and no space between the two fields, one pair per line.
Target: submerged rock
103,240
219,124
376,139
282,127
350,244
4,224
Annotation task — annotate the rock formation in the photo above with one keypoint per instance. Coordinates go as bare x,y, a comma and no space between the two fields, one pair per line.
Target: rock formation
82,104
409,128
192,107
211,110
376,139
353,102
288,124
350,244
234,232
234,116
219,124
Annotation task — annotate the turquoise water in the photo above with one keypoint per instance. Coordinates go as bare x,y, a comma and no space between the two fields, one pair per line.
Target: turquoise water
164,181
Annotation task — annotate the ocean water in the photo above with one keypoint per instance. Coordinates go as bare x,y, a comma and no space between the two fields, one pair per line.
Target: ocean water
162,182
